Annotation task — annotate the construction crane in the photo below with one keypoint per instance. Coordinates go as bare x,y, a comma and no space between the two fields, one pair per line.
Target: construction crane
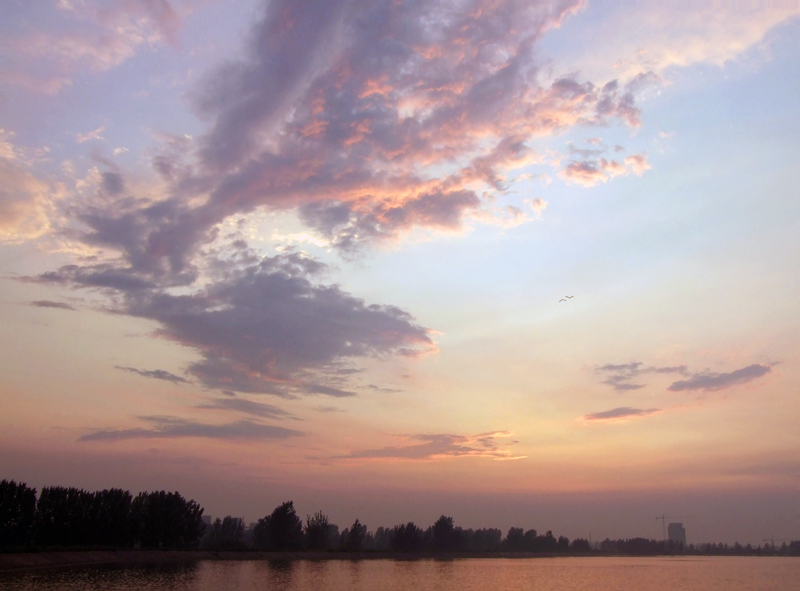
664,518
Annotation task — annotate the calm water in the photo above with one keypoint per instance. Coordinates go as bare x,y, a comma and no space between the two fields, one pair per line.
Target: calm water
542,574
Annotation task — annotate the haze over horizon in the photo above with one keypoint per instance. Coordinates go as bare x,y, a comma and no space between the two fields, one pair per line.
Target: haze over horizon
317,250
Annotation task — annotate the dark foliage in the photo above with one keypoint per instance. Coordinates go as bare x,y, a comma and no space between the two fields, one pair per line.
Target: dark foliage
515,540
64,517
444,536
226,534
641,546
580,545
354,538
407,538
317,531
17,512
282,530
166,520
109,518
482,540
382,540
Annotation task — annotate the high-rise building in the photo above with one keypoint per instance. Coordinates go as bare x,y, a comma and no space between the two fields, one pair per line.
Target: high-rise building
676,533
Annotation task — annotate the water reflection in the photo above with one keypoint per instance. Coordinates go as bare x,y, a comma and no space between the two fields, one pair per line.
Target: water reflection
355,573
277,575
182,577
542,574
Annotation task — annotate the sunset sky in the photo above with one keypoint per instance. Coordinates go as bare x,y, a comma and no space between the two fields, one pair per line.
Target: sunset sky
321,250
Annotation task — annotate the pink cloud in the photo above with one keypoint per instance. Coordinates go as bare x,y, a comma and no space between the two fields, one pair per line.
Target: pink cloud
84,35
590,172
368,120
440,446
637,163
623,412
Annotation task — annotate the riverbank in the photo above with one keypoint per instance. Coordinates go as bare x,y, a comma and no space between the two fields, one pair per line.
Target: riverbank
36,560
21,561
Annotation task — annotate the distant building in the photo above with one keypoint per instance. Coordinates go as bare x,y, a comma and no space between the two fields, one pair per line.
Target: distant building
676,533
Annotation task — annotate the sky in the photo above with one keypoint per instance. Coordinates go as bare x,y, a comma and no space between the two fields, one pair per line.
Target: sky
521,262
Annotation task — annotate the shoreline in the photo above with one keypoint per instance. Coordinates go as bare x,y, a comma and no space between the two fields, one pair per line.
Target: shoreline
20,561
23,561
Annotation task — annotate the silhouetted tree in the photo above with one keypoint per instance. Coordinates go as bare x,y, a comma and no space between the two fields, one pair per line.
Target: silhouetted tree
17,512
547,542
531,543
444,535
406,537
353,538
334,537
383,538
226,534
515,540
580,545
110,518
563,544
166,520
316,530
63,517
486,540
281,530
261,538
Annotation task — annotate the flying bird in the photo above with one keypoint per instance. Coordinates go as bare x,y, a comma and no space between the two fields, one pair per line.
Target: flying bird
569,297
561,300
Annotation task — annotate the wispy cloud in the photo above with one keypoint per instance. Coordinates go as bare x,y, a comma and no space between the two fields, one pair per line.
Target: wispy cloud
624,376
157,374
376,388
249,407
623,412
167,427
26,200
90,135
589,172
76,36
441,446
720,381
328,409
51,304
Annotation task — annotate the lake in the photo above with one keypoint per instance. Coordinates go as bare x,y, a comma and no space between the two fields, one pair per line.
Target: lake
472,574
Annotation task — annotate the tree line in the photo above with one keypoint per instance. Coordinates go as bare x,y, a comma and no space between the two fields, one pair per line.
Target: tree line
61,517
284,530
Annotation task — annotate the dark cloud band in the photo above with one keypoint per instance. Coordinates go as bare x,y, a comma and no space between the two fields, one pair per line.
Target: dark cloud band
175,428
721,381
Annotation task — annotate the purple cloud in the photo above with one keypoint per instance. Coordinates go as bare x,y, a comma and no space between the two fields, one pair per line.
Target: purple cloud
620,376
720,381
71,38
250,407
620,413
382,116
266,327
439,446
165,427
51,304
157,374
270,328
368,119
